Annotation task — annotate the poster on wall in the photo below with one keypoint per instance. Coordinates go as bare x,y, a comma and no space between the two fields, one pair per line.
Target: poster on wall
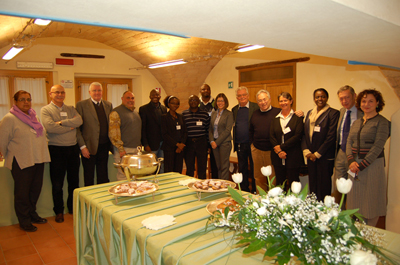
67,83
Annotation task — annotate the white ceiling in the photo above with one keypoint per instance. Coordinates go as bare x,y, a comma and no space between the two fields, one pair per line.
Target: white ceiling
360,30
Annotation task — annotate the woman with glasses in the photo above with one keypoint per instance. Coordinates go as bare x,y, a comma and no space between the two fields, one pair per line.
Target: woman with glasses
174,135
318,144
220,135
24,146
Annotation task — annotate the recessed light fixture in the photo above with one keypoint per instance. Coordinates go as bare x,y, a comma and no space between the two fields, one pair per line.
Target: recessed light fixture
248,47
42,22
12,53
167,63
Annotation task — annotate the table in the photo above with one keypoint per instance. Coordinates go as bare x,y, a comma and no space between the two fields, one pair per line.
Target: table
110,233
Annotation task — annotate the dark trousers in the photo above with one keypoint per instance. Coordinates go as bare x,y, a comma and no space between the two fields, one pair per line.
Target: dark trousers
244,156
173,162
27,187
64,159
196,147
285,173
319,177
213,165
99,162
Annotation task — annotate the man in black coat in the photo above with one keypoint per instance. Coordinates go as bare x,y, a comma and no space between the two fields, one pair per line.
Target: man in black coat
151,125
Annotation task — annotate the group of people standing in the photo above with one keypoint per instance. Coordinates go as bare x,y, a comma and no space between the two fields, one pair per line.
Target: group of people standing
350,140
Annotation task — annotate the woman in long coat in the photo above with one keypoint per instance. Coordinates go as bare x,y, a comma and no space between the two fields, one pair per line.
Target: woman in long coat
318,144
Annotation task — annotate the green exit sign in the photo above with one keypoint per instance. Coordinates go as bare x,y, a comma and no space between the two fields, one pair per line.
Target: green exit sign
230,84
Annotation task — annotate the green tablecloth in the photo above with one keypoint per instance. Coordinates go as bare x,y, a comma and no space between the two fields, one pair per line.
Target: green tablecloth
107,232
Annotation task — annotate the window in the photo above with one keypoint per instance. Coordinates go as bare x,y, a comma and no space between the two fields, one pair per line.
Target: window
113,88
38,84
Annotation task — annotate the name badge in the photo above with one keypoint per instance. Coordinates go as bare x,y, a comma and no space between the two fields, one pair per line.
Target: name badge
63,114
209,114
199,123
317,129
32,130
178,127
286,130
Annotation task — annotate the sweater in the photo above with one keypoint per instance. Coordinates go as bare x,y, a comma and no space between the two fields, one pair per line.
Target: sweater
260,125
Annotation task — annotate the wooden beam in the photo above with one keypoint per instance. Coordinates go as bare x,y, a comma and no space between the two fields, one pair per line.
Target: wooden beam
298,60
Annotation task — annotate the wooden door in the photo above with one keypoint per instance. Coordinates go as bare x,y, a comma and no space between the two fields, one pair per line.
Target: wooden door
274,89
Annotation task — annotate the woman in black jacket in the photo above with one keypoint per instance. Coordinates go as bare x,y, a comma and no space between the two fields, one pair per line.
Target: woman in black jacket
174,134
285,136
318,144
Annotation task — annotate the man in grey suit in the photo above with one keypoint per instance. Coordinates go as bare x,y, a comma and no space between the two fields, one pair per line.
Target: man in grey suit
348,114
241,119
93,135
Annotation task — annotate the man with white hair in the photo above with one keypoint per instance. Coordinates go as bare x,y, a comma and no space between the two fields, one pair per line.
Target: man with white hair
93,135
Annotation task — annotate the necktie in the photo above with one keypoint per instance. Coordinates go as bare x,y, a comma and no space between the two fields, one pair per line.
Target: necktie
346,129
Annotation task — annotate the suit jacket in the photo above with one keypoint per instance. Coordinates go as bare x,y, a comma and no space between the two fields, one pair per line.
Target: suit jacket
360,114
323,141
170,134
252,107
292,141
89,132
224,127
151,125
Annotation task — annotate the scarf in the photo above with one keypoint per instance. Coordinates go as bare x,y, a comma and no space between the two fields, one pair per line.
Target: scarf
30,119
314,115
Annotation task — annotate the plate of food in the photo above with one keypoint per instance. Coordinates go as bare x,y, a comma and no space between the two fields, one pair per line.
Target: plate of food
133,188
211,185
221,204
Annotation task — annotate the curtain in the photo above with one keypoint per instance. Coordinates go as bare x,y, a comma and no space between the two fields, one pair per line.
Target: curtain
36,87
85,91
114,93
4,97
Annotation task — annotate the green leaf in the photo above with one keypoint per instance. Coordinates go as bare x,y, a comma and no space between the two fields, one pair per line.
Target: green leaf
304,192
348,212
226,212
236,196
261,191
254,246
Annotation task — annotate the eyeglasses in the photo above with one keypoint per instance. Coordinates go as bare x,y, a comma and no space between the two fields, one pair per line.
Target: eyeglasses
24,99
59,92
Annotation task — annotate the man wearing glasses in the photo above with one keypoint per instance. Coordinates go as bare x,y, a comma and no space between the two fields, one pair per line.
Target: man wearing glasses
241,117
61,122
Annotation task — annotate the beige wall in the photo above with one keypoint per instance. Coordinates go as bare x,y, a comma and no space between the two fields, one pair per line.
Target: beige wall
330,74
115,65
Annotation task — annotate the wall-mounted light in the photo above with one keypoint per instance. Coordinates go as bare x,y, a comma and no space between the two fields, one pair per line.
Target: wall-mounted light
12,53
248,47
167,63
42,22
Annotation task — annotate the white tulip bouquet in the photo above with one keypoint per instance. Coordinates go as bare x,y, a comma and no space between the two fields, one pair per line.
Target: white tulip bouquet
296,224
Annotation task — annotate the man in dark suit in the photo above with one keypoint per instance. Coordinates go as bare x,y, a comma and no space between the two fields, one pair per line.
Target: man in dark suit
93,135
241,118
347,97
151,125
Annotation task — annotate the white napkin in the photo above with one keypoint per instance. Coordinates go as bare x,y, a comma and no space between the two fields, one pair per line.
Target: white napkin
158,221
185,182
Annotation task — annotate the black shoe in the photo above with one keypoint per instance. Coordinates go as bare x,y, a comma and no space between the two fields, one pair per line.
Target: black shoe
28,228
60,218
40,220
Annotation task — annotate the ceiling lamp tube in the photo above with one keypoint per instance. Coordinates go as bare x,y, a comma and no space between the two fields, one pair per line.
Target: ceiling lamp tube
12,53
167,63
248,47
42,22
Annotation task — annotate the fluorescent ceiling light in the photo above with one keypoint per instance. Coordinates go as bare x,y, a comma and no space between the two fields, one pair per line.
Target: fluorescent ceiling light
248,47
12,52
168,63
42,22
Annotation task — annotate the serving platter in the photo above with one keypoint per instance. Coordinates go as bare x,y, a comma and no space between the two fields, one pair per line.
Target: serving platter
112,190
199,191
212,206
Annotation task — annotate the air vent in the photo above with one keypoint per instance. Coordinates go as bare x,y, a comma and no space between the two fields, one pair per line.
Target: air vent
77,55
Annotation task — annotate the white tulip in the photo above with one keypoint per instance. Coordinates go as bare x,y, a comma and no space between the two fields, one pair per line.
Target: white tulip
261,211
360,257
348,236
275,192
266,171
344,185
237,178
255,205
329,201
296,187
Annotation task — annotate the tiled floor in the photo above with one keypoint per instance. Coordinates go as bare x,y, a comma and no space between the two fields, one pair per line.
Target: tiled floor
53,243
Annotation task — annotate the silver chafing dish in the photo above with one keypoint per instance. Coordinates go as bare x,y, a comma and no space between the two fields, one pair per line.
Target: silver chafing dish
140,164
